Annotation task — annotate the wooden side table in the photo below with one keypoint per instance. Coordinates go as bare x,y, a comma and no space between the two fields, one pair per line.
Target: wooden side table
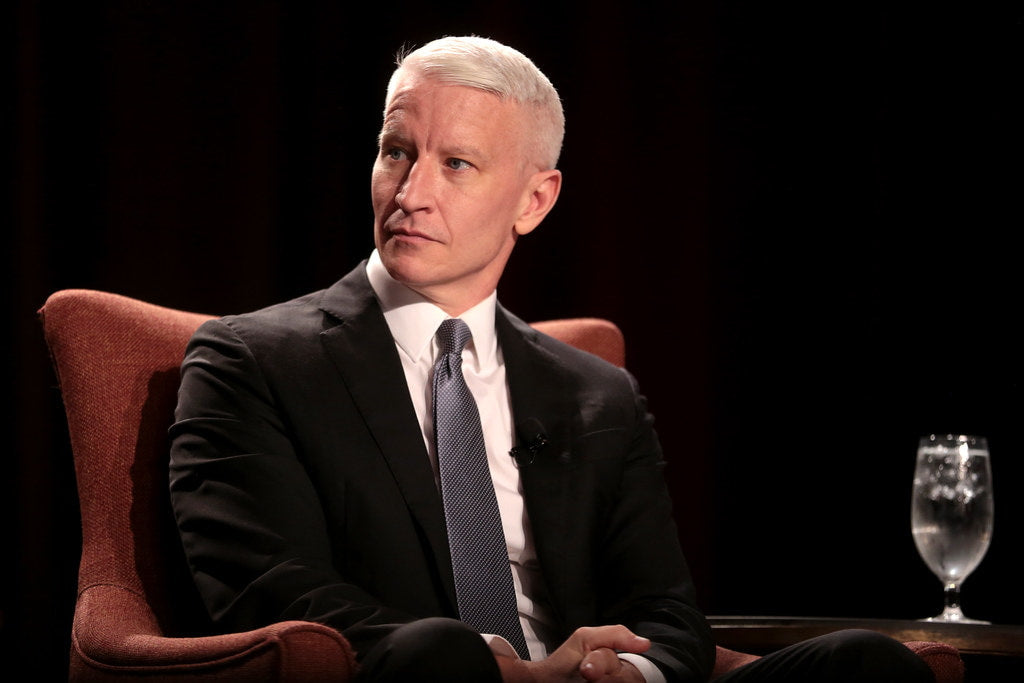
764,634
992,653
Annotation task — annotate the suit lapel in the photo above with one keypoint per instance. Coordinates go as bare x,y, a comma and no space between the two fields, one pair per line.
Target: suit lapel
364,353
539,388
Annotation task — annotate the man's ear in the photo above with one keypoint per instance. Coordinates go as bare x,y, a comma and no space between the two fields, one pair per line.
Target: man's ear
542,192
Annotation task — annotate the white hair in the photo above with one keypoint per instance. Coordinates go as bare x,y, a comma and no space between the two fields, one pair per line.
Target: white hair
488,65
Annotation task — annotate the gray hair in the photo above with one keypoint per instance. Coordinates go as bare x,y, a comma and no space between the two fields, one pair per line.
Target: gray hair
488,65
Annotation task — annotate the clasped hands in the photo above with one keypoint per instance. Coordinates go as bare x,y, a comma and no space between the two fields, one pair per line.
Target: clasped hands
590,654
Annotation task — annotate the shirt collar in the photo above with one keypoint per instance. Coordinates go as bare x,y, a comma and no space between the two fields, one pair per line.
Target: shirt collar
413,319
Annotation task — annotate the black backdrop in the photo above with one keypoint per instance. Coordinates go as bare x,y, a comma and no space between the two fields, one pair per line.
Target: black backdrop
803,216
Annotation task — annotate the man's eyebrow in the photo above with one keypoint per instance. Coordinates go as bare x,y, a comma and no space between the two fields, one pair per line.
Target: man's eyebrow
393,136
390,132
461,151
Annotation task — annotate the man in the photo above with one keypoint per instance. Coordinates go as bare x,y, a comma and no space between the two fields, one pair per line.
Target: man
309,465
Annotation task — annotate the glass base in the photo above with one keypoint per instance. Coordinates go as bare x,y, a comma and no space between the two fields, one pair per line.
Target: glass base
960,620
953,615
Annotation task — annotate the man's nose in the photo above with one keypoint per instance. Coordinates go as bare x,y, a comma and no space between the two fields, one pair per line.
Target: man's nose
416,191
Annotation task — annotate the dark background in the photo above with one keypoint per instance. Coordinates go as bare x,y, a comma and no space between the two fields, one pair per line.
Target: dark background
804,216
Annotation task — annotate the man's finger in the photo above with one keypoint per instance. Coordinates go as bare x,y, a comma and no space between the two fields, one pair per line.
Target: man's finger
613,637
599,663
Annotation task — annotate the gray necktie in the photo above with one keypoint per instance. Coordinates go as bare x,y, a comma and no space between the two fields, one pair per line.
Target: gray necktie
483,578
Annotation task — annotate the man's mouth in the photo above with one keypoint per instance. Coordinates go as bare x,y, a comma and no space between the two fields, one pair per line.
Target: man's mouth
408,233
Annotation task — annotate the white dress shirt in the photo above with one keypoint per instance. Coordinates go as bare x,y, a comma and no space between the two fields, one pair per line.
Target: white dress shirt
413,321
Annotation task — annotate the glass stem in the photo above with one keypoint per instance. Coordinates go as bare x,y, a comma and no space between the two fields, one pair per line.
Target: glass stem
952,598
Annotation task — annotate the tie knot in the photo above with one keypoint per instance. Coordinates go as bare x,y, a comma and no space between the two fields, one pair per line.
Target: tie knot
452,336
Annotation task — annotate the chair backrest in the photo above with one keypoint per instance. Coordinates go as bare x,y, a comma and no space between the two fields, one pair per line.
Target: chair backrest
117,361
598,336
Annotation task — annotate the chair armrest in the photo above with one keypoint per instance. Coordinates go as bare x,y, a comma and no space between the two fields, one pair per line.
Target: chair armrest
114,634
944,660
727,660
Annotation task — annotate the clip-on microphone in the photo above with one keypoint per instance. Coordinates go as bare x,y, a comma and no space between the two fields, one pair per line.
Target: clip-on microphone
527,453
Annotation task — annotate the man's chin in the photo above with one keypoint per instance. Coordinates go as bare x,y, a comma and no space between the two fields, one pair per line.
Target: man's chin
411,269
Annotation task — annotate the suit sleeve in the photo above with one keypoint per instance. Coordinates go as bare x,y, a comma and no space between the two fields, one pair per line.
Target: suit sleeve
249,517
646,584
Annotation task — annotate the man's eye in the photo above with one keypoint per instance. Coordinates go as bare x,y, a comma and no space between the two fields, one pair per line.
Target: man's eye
395,154
458,164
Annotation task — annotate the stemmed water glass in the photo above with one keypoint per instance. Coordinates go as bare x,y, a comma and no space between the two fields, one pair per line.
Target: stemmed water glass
952,512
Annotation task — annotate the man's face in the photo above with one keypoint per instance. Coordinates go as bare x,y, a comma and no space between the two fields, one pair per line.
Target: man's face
450,190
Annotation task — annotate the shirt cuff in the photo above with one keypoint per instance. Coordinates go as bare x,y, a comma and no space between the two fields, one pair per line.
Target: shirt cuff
648,669
499,645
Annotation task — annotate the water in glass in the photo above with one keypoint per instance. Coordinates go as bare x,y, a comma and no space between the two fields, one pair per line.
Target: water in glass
952,511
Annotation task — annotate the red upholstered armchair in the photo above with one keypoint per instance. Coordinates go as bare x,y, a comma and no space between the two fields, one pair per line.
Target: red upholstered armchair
138,614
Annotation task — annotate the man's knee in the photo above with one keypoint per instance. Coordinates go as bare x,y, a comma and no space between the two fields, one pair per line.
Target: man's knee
862,655
431,649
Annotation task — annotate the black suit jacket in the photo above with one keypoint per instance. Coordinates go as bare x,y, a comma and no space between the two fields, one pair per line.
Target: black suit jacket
302,488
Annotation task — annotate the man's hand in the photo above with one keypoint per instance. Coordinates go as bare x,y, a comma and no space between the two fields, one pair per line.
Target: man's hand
588,655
